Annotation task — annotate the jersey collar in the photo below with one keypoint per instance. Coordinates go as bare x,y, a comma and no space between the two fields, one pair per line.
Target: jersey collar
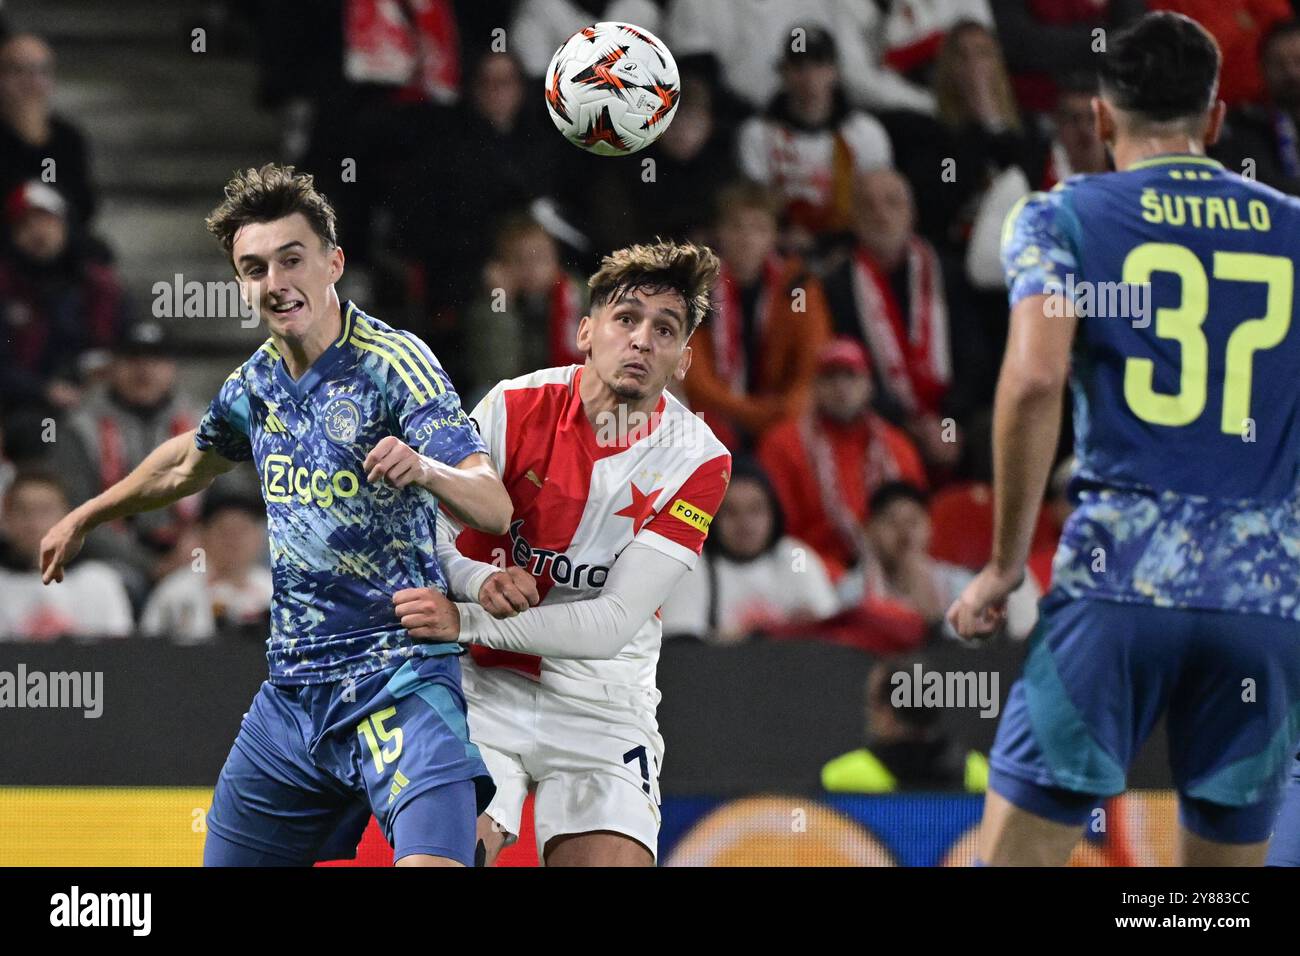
323,365
1176,158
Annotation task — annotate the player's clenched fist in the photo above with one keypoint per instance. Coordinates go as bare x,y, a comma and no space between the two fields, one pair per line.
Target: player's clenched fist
394,461
427,614
508,592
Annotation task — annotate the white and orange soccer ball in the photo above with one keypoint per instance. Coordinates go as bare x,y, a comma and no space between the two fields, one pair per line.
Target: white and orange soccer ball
612,88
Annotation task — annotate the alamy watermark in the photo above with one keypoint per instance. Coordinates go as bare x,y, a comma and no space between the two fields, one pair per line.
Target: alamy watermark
179,299
78,690
921,688
1103,300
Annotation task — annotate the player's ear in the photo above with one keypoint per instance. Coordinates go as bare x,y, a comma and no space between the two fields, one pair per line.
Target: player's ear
1103,120
337,261
583,340
1215,125
683,365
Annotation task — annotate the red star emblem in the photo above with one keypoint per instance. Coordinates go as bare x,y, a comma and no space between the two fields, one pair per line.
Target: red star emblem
641,508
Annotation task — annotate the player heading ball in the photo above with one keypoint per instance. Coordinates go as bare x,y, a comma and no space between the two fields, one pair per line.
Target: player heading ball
562,694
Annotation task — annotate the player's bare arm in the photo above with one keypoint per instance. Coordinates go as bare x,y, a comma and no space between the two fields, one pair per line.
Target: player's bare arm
471,489
1026,426
173,470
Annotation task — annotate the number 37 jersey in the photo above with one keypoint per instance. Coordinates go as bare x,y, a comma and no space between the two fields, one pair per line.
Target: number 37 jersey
1185,376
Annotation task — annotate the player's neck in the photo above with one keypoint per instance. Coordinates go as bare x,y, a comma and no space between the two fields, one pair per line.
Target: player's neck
301,354
601,404
1130,150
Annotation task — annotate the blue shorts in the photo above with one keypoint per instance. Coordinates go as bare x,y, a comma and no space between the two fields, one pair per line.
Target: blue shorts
312,763
1099,674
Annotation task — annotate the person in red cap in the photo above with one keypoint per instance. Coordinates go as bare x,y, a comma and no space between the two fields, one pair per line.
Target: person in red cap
826,462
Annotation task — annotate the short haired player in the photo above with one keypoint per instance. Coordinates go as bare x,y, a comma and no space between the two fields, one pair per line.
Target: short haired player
1176,587
357,435
614,483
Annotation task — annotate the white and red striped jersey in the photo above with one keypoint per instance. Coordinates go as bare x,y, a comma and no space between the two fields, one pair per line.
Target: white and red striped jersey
582,493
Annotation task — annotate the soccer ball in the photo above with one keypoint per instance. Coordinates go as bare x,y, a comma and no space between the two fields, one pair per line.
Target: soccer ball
612,88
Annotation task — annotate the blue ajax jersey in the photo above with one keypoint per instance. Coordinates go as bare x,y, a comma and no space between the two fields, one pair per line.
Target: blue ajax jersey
1186,381
340,546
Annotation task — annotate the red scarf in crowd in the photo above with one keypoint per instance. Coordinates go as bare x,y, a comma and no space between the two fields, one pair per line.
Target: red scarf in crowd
728,326
878,467
912,353
113,464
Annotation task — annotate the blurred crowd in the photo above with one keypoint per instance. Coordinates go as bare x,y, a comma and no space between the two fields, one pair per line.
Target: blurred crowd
853,179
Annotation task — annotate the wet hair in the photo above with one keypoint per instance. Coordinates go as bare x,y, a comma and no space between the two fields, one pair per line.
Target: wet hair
1165,67
684,268
268,194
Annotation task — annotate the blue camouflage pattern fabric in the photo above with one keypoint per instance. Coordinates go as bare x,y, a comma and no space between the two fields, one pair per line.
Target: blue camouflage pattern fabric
1194,515
340,546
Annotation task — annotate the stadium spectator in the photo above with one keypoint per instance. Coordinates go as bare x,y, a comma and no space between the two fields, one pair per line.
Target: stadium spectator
402,72
1262,139
60,309
826,463
527,315
541,27
752,575
1075,146
747,37
35,142
989,144
1048,39
897,564
912,31
121,421
91,601
229,589
891,295
808,144
1238,28
755,358
473,167
906,746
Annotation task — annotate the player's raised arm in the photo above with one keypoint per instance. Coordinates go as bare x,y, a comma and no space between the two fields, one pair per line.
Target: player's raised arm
173,470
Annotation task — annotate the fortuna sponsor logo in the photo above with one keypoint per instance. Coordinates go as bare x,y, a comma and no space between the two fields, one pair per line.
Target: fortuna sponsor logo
103,909
558,567
75,689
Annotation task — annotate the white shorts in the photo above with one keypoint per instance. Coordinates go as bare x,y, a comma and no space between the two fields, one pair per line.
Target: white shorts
595,762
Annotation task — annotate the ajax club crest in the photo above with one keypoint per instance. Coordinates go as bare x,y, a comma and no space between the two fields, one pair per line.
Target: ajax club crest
342,420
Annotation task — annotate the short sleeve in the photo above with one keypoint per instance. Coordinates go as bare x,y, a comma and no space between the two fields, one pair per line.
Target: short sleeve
489,419
1037,250
426,405
681,526
224,429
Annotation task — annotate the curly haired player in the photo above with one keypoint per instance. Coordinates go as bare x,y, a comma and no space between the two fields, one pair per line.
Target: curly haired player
614,483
